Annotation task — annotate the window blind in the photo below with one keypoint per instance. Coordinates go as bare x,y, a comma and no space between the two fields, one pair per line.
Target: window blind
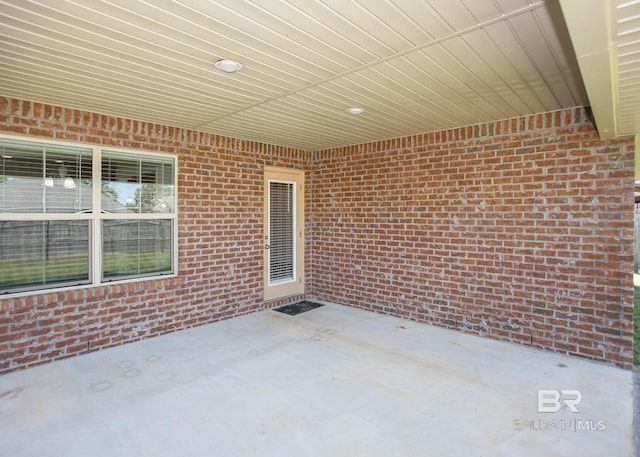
281,231
135,185
35,179
52,236
38,178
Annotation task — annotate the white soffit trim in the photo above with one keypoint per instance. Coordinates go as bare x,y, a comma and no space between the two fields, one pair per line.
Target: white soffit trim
591,25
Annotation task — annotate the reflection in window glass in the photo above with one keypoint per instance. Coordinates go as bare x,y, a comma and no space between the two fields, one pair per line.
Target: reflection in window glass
57,223
43,253
138,184
40,178
136,247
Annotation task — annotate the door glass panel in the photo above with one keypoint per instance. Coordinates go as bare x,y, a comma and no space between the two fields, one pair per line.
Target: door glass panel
281,232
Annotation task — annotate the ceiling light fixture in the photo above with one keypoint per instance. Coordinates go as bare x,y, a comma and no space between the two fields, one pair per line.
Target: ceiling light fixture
228,66
355,110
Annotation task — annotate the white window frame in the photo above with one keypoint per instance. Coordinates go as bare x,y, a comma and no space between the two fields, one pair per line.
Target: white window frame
97,217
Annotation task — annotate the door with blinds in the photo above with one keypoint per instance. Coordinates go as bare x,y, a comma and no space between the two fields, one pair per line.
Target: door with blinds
283,232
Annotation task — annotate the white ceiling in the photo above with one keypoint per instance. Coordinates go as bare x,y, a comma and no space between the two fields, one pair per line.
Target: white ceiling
413,65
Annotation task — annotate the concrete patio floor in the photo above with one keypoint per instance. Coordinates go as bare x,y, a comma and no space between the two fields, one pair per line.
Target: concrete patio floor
334,381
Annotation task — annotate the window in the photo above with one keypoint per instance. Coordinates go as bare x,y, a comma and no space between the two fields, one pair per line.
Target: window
135,241
81,216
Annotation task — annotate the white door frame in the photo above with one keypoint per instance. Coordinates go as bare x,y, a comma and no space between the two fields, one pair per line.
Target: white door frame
295,285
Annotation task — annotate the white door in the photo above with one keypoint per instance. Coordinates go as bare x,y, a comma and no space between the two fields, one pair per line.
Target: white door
283,232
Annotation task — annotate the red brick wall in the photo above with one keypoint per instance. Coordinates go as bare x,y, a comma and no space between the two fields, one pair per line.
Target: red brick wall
220,241
519,230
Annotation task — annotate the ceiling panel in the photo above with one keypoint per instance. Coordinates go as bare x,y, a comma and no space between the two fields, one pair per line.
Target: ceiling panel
413,65
511,72
455,14
61,65
482,11
488,68
511,5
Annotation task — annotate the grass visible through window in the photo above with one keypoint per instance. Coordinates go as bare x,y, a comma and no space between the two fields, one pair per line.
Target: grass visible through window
26,272
130,265
16,273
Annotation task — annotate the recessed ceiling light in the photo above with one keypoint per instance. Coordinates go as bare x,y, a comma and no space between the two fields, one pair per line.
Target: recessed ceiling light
355,110
228,66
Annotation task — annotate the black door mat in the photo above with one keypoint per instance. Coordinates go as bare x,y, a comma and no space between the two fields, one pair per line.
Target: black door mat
298,308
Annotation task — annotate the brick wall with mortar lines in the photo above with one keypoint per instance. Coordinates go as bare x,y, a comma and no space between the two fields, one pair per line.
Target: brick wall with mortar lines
219,238
519,230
